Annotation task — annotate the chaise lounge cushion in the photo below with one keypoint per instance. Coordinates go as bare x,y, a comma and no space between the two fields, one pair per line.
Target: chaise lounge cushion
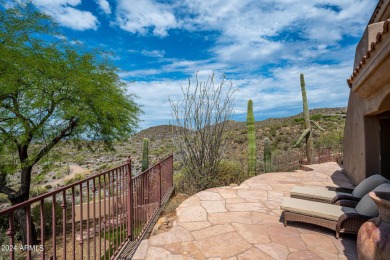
367,206
326,195
315,209
316,193
368,185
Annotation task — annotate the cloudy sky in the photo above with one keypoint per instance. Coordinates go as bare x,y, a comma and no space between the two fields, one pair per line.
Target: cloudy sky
261,46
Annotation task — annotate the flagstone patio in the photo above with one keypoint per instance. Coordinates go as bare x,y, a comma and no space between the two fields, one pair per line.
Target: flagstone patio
243,222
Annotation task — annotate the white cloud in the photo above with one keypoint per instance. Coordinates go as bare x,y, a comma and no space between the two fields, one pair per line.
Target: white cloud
247,52
144,16
138,73
104,6
279,95
300,35
153,53
67,15
245,25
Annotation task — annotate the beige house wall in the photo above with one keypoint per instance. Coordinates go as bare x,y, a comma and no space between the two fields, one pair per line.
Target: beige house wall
112,209
369,97
361,140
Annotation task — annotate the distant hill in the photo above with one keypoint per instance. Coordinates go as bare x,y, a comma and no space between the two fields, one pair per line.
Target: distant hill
283,133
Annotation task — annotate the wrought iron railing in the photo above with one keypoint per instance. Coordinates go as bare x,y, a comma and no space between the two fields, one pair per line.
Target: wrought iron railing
91,218
294,158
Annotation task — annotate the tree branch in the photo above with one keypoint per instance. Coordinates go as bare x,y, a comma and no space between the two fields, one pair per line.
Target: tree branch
7,190
3,187
9,136
67,131
15,109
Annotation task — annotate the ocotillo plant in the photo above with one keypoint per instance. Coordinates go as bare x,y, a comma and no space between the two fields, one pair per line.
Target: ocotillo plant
145,155
250,121
308,129
267,155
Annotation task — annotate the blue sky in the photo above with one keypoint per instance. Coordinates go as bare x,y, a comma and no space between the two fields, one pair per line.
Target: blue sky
261,47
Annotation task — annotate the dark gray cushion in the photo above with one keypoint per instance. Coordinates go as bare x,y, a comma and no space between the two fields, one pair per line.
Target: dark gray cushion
367,206
368,185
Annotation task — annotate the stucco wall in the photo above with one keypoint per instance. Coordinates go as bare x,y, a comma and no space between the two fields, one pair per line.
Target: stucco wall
361,144
353,142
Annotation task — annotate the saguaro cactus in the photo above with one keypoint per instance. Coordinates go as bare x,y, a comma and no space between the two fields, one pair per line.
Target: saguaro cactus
267,155
145,155
250,121
307,134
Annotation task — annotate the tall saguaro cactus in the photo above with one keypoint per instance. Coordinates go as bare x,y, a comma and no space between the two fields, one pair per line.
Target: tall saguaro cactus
267,155
250,121
307,134
145,155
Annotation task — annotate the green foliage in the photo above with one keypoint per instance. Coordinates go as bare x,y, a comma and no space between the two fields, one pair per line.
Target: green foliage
316,117
145,154
3,198
229,172
53,90
77,177
37,190
299,120
250,121
38,178
267,155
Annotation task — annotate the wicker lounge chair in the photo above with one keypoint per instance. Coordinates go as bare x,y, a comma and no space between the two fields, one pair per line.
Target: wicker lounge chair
343,219
333,195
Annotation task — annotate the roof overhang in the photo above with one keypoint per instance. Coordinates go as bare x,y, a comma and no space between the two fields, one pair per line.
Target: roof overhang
373,71
381,12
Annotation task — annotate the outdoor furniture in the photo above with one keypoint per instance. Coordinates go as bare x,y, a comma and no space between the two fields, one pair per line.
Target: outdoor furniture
345,218
333,195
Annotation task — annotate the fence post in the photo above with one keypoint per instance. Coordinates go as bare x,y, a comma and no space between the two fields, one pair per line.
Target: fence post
160,193
130,209
10,233
171,171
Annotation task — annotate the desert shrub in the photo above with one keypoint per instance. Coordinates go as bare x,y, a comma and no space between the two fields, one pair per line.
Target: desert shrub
176,166
201,119
240,139
3,198
36,191
279,138
102,167
272,131
61,173
316,117
77,177
48,186
182,183
229,172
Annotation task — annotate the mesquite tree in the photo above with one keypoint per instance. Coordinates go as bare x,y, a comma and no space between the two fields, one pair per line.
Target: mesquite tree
200,122
307,134
250,121
50,91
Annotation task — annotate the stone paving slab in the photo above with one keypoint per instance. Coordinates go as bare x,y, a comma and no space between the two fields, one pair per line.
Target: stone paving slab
243,222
